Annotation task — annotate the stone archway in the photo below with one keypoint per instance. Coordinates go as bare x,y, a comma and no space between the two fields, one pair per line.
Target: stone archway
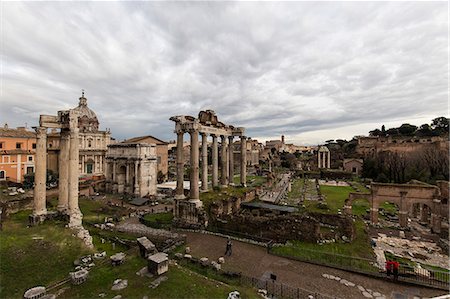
121,178
405,196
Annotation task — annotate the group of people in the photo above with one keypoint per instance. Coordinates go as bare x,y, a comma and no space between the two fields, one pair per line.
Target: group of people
392,268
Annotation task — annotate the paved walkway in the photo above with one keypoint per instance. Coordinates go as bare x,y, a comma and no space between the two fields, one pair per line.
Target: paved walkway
255,261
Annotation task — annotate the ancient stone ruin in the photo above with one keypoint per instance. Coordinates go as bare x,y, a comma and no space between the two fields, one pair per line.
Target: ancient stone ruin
67,121
206,125
406,197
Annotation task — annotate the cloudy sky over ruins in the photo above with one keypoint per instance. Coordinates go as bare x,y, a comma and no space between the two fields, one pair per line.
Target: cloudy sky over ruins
313,71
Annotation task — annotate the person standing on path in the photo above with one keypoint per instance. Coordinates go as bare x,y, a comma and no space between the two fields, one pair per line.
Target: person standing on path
228,250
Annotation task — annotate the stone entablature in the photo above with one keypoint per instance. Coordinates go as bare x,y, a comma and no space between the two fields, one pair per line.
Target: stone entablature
131,169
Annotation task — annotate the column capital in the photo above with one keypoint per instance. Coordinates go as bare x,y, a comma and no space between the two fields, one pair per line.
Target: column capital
41,130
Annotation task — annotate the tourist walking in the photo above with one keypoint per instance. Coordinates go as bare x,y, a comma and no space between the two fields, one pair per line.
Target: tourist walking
228,248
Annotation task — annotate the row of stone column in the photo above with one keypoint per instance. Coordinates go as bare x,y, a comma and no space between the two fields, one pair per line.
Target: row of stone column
129,163
226,167
323,159
68,174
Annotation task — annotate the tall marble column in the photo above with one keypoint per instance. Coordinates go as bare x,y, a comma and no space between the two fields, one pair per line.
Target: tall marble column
127,177
204,162
136,178
215,162
180,166
231,161
318,159
243,161
74,156
64,148
329,162
223,164
194,191
40,176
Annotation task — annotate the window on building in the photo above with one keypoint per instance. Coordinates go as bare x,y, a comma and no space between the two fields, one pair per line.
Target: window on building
354,169
2,175
30,169
30,158
34,145
5,159
1,144
89,143
89,167
18,145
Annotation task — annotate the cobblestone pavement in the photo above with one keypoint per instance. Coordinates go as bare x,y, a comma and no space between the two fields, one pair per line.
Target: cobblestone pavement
255,261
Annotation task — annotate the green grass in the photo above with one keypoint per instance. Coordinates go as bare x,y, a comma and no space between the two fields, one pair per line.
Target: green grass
223,193
360,206
181,283
158,220
358,248
25,263
296,190
335,197
252,180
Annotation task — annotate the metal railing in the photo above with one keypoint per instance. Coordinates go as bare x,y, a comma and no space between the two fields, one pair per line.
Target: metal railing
281,290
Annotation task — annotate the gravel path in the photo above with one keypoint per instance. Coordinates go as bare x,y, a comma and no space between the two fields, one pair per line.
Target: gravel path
255,261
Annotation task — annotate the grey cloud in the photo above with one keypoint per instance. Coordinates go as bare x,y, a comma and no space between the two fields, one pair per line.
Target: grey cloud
291,67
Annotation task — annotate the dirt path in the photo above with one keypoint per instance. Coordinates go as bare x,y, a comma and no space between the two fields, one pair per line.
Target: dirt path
255,261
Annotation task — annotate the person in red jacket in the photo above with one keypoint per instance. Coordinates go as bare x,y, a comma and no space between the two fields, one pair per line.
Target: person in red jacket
388,268
396,267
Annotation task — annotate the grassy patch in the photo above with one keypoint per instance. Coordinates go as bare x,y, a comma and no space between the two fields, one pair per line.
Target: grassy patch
359,250
158,220
296,190
26,262
181,283
360,206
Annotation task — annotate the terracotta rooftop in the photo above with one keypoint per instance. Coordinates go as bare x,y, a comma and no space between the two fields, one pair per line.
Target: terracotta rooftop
17,133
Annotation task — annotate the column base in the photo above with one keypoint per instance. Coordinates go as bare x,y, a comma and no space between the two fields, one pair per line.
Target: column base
223,186
198,203
243,185
203,191
63,210
76,219
36,219
180,196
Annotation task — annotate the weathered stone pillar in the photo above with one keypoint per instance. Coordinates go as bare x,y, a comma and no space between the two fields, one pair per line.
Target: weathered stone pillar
74,156
403,211
318,159
215,162
127,177
243,161
204,162
114,176
329,160
231,161
180,166
40,176
223,158
194,195
63,185
374,215
136,178
436,216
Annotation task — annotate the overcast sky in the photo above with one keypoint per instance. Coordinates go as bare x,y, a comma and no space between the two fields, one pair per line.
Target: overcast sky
310,71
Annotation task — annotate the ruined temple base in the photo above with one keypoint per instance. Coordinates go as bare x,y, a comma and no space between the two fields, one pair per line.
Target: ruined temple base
39,219
84,235
189,214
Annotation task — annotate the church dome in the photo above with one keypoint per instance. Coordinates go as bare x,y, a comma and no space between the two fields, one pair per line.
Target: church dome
87,121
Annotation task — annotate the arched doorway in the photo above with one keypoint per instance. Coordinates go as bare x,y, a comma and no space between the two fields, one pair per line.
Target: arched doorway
121,176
